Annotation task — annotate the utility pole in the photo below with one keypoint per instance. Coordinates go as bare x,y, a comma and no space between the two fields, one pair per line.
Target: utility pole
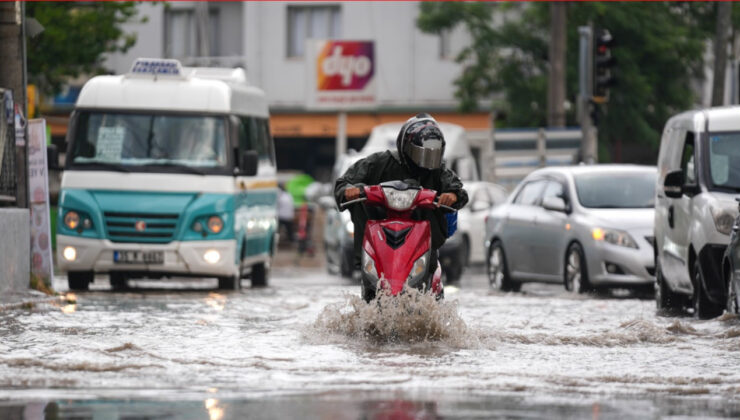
12,77
724,10
556,57
589,138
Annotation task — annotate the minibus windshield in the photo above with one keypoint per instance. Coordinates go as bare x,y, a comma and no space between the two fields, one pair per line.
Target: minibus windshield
724,160
149,140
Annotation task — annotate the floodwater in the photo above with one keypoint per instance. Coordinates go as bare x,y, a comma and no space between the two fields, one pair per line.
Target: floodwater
308,347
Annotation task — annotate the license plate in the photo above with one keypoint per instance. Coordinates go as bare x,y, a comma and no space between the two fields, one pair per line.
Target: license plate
138,257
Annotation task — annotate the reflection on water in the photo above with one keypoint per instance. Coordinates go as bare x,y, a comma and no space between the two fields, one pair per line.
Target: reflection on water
214,411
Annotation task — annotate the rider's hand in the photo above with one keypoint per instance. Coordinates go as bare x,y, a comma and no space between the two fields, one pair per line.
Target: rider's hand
447,199
351,193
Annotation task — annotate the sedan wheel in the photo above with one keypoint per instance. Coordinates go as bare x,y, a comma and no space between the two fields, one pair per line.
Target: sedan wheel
576,280
498,274
733,306
496,268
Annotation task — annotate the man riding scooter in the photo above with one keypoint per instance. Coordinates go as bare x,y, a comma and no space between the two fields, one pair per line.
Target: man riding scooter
420,146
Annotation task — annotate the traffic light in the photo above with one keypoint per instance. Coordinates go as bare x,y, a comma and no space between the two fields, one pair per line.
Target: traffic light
603,64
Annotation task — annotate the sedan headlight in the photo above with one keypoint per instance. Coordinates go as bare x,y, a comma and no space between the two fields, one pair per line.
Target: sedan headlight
614,237
724,218
399,200
368,265
350,228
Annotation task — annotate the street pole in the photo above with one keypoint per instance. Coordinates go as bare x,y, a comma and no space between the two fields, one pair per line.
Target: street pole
556,57
341,143
589,138
11,77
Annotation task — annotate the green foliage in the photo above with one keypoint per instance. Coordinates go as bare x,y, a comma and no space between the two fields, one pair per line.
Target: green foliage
659,49
75,38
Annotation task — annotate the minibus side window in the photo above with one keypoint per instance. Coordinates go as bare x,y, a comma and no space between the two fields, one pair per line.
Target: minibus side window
254,134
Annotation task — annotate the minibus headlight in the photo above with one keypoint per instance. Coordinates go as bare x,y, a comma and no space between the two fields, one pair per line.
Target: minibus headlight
212,256
69,253
72,220
215,224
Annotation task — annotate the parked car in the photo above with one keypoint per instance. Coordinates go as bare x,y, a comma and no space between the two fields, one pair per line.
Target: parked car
731,269
582,226
339,230
695,208
466,245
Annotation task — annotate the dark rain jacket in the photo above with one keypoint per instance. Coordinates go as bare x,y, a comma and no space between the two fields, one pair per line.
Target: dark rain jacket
387,166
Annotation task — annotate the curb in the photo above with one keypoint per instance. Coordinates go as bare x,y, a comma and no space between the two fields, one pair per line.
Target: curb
26,299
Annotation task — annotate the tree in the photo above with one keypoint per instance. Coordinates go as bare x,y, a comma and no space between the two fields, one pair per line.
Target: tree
75,39
659,49
721,37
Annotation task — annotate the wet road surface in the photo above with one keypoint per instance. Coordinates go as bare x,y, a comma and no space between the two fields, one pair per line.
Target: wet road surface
308,347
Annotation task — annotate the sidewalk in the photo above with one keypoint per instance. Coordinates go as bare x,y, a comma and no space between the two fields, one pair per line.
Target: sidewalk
14,300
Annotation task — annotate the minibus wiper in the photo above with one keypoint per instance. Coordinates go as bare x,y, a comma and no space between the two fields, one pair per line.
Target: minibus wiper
107,165
186,168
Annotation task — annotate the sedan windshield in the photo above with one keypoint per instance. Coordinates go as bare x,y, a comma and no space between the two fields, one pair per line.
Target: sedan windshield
126,139
616,190
724,160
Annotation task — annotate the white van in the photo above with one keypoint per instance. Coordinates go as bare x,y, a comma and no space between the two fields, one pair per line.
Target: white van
170,171
695,207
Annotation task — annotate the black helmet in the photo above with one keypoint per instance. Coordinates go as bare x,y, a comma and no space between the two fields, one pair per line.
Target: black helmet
421,143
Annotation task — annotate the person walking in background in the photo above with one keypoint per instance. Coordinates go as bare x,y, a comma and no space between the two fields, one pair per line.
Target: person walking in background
286,213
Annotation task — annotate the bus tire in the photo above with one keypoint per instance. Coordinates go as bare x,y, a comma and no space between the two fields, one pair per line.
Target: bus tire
259,275
80,280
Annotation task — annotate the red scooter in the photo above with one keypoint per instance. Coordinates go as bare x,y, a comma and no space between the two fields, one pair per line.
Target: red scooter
396,251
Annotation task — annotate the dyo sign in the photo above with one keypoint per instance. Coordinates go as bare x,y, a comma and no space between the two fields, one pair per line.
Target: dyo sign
346,67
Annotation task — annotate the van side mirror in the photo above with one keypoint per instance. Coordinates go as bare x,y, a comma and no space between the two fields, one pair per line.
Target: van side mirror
52,156
674,187
554,204
248,163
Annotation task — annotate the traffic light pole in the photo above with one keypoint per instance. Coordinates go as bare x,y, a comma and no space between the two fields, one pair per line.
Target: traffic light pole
589,141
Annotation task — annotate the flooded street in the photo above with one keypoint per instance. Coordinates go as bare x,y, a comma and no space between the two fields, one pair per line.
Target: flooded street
307,346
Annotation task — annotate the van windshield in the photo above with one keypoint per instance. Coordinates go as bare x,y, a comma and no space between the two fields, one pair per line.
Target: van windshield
145,140
724,160
615,190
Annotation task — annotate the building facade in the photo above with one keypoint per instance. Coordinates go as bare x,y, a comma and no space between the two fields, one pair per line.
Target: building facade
414,71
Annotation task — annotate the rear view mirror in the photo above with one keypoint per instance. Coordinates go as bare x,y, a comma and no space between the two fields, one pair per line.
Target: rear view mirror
554,204
673,184
248,163
52,156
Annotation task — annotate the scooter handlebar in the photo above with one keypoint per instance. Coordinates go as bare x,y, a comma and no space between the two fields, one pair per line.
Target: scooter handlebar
349,203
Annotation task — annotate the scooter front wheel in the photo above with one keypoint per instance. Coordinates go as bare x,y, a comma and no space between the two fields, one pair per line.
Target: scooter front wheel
368,293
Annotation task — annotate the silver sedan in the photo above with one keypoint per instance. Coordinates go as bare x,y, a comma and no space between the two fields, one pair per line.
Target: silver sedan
581,226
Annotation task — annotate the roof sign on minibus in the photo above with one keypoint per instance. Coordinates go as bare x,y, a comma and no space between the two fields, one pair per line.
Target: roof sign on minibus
157,67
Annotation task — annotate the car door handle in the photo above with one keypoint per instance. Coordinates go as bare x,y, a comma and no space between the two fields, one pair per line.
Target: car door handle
671,217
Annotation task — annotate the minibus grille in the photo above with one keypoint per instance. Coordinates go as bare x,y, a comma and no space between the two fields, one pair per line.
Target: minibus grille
140,227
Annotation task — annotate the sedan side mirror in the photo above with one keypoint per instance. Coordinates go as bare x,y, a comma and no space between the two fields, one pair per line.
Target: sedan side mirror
673,184
248,163
479,206
554,204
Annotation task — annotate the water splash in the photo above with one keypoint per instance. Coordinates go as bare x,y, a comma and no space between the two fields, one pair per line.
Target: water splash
410,317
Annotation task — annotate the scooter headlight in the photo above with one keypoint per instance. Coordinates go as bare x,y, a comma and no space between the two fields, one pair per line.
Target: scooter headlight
418,270
399,200
368,265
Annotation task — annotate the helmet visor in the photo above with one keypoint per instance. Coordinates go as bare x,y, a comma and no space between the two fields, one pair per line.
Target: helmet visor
427,157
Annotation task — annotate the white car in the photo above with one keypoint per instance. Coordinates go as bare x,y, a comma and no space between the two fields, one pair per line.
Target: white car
695,208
